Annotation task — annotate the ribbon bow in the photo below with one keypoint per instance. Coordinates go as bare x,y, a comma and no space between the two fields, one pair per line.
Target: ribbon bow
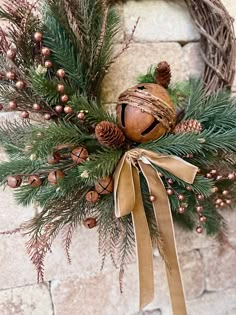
128,199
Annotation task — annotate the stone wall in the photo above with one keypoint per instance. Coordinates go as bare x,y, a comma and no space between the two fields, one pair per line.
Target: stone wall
165,32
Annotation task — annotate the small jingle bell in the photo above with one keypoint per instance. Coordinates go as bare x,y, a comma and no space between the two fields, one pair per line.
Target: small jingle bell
55,176
104,186
35,181
90,223
79,155
92,196
14,181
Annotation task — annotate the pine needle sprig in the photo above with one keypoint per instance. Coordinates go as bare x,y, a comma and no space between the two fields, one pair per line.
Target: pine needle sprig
95,113
63,52
61,132
100,165
44,88
179,144
18,167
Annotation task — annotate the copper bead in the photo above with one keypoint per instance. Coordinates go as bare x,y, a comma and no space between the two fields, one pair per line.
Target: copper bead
170,191
59,108
35,181
11,54
225,192
231,176
181,197
61,73
199,209
38,36
46,52
79,155
81,116
199,229
68,110
202,219
152,198
92,196
60,88
105,185
20,85
55,176
12,105
48,64
37,107
25,114
181,210
64,98
14,181
11,75
200,197
47,116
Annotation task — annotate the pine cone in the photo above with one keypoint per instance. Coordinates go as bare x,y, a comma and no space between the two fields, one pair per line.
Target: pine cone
190,125
109,135
163,74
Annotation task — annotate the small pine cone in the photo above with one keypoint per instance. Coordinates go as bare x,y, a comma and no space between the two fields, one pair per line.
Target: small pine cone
109,135
190,125
163,74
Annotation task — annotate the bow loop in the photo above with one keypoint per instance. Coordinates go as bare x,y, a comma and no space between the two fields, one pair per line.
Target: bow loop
124,190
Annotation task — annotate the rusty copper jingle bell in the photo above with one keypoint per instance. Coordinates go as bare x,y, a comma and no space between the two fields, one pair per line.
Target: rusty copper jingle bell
145,112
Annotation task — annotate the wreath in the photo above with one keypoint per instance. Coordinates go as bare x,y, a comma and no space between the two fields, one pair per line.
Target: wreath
168,153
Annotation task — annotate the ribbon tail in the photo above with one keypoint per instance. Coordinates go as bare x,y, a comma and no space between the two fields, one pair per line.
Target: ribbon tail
143,246
165,224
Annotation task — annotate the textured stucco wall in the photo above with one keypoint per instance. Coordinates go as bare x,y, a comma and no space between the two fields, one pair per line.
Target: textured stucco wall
165,32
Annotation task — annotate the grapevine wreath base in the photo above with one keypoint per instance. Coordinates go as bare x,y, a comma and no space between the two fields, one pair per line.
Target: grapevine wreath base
169,148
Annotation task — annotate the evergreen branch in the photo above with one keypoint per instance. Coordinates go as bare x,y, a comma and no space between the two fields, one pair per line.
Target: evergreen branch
149,77
16,167
179,144
59,133
100,165
43,87
63,51
94,112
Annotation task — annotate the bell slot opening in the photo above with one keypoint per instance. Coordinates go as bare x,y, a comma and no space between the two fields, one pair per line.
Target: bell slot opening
141,87
123,107
150,128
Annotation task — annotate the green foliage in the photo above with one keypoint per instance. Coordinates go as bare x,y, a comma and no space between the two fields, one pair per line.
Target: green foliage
94,112
13,137
18,167
149,77
59,133
80,35
63,51
179,144
43,87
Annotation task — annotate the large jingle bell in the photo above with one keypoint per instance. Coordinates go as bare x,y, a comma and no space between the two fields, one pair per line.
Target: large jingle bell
145,112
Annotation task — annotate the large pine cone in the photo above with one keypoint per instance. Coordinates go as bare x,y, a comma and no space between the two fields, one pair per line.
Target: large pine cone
109,135
163,74
190,125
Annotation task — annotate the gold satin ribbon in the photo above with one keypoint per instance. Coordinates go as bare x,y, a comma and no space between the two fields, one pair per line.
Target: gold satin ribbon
128,199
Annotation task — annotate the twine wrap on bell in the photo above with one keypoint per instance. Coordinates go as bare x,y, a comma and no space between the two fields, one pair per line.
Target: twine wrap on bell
145,112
